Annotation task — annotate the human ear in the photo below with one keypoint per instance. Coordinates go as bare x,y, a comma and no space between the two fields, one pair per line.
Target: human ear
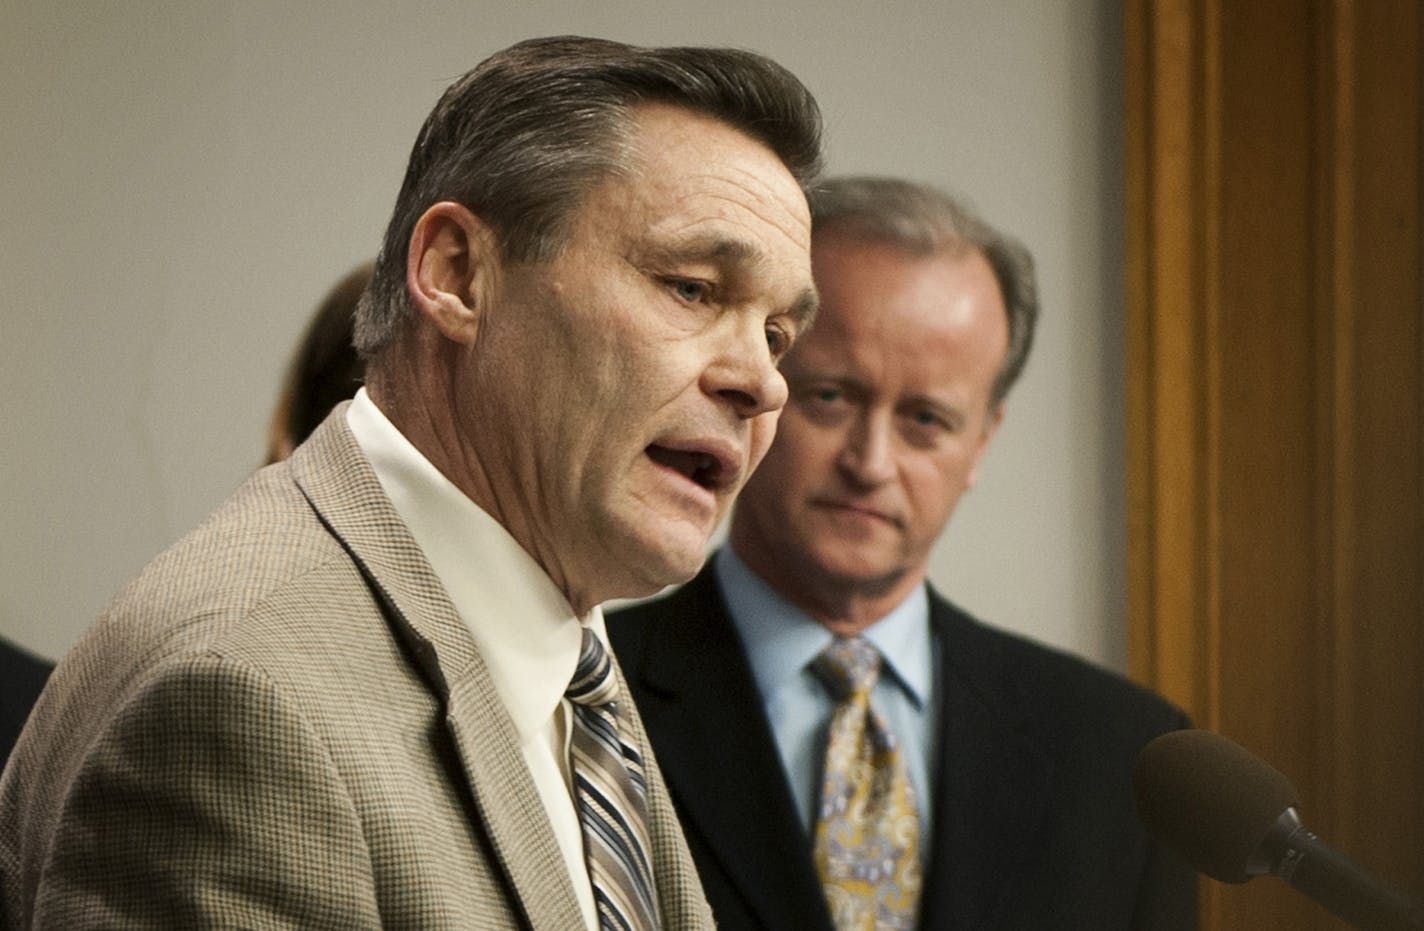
451,257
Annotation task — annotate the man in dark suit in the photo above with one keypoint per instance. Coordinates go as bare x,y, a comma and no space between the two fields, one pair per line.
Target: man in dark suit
22,676
370,691
972,779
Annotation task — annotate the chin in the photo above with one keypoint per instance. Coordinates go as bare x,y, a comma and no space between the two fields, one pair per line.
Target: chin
652,566
862,571
679,566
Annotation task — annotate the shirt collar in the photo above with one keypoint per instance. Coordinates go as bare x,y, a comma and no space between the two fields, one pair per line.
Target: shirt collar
781,640
524,627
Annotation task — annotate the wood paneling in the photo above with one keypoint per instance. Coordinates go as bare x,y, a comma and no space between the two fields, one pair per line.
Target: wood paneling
1276,405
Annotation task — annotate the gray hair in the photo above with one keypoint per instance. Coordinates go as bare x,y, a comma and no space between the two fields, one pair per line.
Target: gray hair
525,135
922,221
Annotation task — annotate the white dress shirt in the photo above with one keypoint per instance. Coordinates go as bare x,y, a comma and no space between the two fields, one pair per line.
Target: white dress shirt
525,629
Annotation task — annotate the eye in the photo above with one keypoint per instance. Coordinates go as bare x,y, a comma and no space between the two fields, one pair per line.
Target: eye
692,292
926,427
777,340
927,418
826,404
823,397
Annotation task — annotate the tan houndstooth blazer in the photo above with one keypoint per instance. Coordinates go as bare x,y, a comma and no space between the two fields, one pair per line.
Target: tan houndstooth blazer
282,723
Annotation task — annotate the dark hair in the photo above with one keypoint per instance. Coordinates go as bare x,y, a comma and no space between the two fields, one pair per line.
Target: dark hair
923,220
325,369
521,138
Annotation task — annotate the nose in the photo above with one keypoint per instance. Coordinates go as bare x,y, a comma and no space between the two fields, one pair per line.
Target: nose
867,457
745,376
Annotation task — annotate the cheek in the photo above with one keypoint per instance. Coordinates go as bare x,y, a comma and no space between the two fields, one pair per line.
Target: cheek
763,433
936,487
811,450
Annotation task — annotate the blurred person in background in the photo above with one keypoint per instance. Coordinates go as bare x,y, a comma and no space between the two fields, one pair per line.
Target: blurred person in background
325,369
22,676
846,747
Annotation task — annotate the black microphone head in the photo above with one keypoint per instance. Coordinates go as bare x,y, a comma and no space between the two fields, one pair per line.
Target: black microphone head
1209,800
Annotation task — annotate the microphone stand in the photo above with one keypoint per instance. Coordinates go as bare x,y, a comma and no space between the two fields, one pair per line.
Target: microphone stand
1327,876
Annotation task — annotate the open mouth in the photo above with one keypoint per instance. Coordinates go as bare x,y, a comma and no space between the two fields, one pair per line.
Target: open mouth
703,469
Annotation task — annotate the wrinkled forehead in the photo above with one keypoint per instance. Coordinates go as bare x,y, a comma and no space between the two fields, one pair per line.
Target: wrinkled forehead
682,153
698,191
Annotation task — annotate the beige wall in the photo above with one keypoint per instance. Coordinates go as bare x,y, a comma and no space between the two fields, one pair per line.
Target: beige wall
180,182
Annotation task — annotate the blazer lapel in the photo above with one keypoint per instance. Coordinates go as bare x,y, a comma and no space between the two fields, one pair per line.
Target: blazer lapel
342,488
992,788
719,758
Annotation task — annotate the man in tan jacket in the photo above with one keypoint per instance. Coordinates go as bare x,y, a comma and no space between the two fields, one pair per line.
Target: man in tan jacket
340,701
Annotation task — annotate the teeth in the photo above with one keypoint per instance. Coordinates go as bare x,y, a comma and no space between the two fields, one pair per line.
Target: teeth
701,467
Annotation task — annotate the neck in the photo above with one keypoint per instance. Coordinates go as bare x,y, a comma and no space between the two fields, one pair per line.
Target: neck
854,609
846,607
418,395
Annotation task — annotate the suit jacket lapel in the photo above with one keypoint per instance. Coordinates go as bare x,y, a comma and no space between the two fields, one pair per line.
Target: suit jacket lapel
342,488
720,760
992,786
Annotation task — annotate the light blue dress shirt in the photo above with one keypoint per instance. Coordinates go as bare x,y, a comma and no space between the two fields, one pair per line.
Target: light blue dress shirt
781,640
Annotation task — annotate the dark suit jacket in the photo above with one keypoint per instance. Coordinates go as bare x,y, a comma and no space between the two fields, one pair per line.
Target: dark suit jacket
284,723
22,676
1034,824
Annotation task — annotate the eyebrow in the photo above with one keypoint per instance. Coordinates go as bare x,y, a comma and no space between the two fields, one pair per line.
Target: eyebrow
803,311
706,247
728,251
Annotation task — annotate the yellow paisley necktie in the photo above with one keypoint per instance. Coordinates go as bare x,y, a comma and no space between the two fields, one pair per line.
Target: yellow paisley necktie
867,849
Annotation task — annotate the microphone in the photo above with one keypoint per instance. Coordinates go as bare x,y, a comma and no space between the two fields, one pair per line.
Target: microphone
1232,816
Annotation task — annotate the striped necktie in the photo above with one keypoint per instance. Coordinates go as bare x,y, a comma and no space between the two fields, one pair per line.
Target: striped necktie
611,792
867,826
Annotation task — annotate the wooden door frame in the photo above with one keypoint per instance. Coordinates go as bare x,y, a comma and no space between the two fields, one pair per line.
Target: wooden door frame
1275,421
